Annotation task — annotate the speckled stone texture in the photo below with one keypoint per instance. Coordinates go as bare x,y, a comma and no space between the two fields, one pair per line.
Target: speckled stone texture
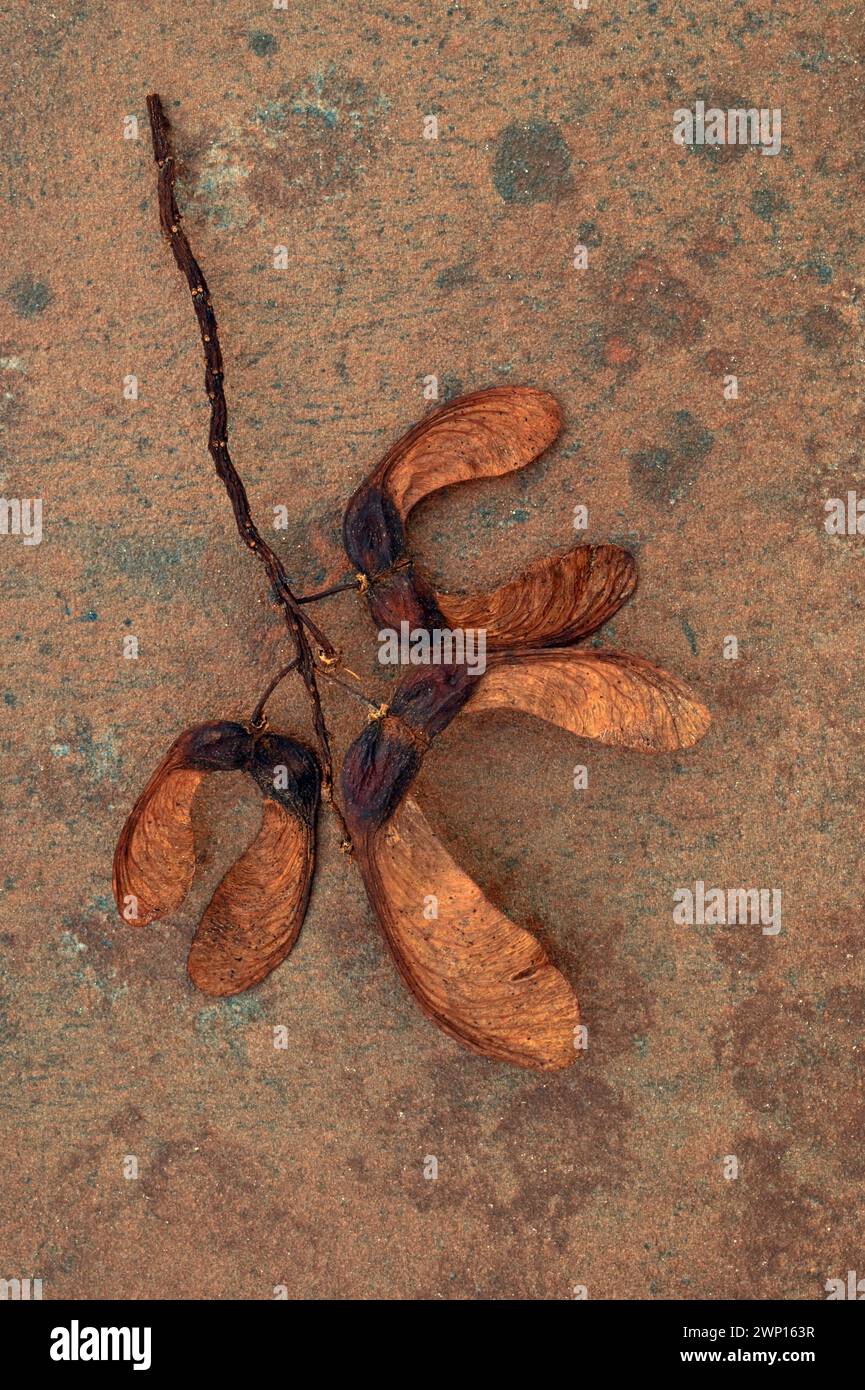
407,257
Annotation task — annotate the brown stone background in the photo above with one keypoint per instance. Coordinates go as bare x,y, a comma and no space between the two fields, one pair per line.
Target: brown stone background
408,257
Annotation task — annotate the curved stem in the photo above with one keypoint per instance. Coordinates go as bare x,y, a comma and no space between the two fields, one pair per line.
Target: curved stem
352,690
258,712
326,593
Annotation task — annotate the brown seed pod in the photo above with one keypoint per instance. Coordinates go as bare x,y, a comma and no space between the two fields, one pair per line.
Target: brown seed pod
483,979
255,915
154,862
614,697
482,435
256,912
480,977
559,599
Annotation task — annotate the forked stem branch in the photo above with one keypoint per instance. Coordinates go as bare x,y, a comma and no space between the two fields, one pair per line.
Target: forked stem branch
299,624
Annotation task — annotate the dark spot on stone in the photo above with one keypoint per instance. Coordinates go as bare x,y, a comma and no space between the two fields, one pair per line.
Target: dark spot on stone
782,1226
650,300
767,204
125,1121
454,276
692,440
720,362
820,270
532,163
29,296
690,634
788,1041
616,352
262,44
664,474
651,461
627,540
588,234
158,571
10,699
318,139
724,101
582,35
822,328
711,247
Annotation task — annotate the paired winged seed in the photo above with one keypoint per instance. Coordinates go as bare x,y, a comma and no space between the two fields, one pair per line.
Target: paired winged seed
257,911
479,976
